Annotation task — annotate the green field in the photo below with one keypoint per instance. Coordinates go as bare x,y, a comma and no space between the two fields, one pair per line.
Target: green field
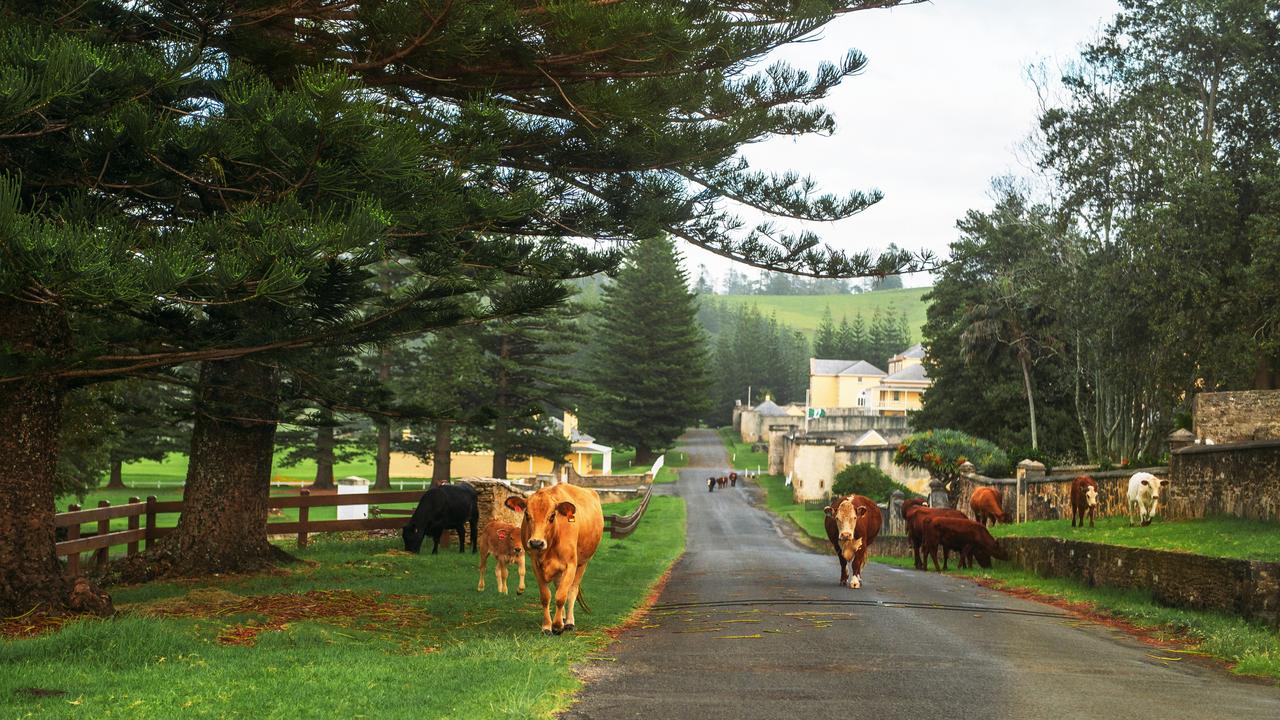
1221,536
804,312
359,629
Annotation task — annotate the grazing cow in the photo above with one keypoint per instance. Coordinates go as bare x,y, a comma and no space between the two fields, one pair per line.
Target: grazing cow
1084,499
502,541
561,530
1144,496
970,539
985,503
915,511
852,524
444,507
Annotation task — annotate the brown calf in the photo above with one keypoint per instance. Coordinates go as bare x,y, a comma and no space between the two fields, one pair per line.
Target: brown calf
985,503
852,524
970,539
1084,499
561,530
915,511
502,541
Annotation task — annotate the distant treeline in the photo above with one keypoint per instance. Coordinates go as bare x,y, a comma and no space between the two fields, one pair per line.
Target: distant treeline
749,349
775,283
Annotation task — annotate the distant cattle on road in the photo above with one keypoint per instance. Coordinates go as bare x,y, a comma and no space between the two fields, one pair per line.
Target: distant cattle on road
1084,499
985,503
444,507
852,524
561,530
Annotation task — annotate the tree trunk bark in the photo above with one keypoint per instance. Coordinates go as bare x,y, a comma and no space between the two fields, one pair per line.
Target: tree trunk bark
324,459
30,415
382,479
1031,403
644,455
442,459
1266,373
117,476
499,441
223,526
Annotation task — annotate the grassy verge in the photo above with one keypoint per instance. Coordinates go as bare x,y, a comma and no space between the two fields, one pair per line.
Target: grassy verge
1217,536
357,630
779,500
741,455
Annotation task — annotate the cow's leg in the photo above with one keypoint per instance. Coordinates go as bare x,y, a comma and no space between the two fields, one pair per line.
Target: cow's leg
946,556
563,586
501,571
461,532
859,559
544,592
570,623
1092,511
475,524
435,542
484,561
520,570
917,554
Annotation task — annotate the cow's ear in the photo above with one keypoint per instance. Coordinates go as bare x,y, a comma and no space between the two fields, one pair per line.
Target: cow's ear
826,510
862,510
1144,482
567,509
515,502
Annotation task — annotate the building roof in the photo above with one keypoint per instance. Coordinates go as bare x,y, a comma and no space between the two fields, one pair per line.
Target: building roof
870,437
819,366
915,351
910,373
769,408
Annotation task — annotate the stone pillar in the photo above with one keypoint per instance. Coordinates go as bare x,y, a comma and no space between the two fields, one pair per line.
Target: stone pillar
897,526
938,496
1027,470
776,433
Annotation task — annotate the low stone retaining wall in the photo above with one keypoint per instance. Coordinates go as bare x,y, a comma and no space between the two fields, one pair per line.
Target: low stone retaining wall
1247,588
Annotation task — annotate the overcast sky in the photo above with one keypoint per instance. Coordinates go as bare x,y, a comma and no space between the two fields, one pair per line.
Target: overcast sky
939,111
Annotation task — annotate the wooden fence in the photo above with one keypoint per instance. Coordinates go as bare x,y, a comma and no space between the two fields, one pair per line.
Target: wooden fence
143,528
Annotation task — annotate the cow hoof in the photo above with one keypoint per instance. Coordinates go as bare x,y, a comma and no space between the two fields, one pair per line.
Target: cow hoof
557,631
546,632
520,591
568,627
854,583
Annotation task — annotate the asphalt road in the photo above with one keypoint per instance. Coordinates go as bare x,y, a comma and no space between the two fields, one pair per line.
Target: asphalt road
753,626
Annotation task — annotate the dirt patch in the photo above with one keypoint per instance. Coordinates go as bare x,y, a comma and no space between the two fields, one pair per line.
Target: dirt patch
33,624
637,616
368,611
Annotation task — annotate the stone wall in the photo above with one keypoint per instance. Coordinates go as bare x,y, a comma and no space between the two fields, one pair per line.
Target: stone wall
1238,416
855,420
607,481
1049,498
1197,582
1240,479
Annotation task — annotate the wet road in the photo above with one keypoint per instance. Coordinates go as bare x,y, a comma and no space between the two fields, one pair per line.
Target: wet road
753,626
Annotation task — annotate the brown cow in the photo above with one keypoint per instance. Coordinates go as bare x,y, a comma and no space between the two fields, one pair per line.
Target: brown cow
502,540
914,511
1084,499
561,530
970,539
985,503
852,524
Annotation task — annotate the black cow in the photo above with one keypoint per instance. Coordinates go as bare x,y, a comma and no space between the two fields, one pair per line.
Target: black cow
444,507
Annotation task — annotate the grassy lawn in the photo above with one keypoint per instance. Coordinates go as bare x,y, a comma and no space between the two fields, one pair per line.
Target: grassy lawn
1250,648
741,457
359,629
804,312
1217,536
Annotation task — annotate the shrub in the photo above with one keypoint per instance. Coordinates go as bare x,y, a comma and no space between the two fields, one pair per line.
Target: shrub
942,452
869,480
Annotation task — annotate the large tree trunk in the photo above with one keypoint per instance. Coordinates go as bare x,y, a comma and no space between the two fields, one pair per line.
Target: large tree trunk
223,527
499,441
644,455
1266,373
442,459
324,458
382,479
30,417
117,475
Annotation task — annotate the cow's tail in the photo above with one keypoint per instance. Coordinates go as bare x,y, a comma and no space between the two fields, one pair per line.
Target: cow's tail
582,600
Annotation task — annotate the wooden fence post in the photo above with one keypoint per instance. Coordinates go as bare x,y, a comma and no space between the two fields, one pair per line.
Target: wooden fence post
151,523
303,515
133,525
104,528
73,533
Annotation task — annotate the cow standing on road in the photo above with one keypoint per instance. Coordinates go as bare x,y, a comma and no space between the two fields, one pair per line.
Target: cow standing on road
444,507
711,484
852,524
561,530
733,479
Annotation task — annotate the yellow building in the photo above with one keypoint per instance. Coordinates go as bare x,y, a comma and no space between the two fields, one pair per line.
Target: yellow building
843,383
859,384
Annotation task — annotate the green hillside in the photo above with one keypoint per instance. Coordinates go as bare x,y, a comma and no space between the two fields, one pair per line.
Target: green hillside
805,311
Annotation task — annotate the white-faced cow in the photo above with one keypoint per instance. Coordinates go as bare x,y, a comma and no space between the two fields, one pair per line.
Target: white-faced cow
444,507
852,524
1144,497
561,530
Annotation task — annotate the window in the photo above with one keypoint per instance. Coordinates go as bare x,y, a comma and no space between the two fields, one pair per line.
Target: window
822,484
897,395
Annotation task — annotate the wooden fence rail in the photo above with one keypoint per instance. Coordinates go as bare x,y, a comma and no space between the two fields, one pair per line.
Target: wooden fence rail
620,526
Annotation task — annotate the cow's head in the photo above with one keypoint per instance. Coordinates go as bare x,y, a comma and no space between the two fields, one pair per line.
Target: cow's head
413,535
509,542
846,515
542,515
909,505
1091,496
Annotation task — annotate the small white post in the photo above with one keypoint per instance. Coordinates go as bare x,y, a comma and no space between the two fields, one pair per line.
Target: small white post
353,485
